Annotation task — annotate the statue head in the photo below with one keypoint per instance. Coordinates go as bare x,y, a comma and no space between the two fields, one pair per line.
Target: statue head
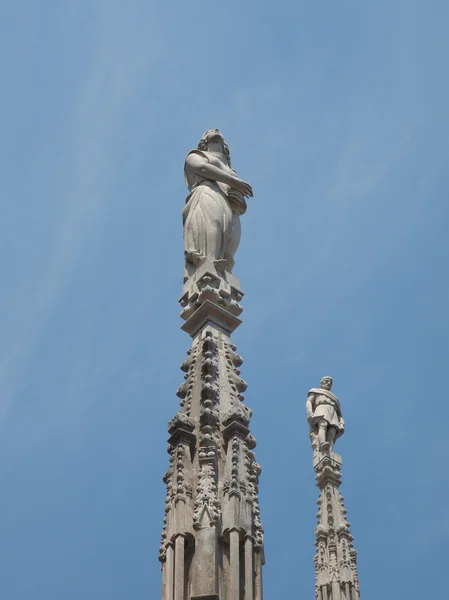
214,135
326,383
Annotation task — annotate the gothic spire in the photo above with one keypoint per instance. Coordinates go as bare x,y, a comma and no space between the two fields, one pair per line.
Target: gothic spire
212,540
335,559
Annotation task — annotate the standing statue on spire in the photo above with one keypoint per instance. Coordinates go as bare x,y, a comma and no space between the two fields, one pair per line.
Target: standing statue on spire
211,216
335,559
324,416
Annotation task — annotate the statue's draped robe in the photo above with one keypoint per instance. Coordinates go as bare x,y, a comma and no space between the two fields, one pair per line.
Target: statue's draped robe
325,405
211,228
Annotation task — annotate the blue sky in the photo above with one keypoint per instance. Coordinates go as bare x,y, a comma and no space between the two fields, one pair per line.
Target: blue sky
337,114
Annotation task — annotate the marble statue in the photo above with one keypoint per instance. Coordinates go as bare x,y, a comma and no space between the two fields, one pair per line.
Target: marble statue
212,212
324,416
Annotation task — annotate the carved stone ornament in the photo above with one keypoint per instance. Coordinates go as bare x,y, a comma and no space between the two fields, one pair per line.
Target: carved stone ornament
207,505
221,289
181,420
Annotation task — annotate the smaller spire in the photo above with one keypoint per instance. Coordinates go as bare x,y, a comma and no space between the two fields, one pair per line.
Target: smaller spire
335,559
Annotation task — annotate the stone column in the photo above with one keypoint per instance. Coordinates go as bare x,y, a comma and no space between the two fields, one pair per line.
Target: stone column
169,573
234,565
258,587
179,568
348,591
336,590
249,568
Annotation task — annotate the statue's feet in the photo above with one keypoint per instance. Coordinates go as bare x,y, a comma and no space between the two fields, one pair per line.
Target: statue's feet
325,447
194,257
220,264
230,263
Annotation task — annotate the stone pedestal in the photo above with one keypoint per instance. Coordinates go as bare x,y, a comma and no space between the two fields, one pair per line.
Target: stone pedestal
335,559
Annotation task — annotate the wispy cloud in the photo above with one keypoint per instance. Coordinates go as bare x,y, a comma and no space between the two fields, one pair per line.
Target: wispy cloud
121,55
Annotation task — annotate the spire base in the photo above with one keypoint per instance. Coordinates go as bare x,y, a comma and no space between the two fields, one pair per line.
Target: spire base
208,313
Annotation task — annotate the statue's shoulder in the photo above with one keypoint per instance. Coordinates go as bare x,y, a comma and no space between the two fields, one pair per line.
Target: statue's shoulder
196,152
314,391
327,393
190,177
